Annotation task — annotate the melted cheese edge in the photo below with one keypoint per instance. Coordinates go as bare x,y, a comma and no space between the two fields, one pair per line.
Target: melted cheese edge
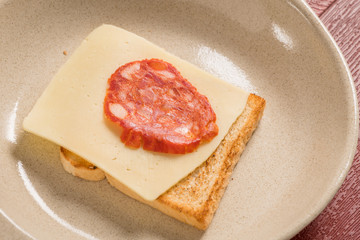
70,112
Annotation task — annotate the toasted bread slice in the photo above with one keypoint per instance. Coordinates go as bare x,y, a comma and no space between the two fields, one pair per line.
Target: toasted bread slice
79,167
195,198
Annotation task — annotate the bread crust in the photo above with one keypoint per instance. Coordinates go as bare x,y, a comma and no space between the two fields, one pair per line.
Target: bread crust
195,198
79,167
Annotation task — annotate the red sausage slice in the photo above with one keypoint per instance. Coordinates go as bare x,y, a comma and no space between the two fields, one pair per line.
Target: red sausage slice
158,108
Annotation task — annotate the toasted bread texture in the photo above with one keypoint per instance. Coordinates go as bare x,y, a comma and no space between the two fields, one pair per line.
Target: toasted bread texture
195,198
79,167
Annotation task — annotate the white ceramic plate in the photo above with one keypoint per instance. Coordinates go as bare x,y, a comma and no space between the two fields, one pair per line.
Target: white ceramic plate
290,170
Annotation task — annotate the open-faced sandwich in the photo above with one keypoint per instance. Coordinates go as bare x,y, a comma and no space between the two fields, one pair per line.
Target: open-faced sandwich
158,128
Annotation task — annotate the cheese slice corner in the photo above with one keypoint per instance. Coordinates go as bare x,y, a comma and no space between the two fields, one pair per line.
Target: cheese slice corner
70,112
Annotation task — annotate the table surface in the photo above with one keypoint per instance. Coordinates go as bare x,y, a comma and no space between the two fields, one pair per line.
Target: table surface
341,218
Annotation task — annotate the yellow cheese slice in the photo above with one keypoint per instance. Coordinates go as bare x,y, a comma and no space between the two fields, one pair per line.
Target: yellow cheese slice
70,111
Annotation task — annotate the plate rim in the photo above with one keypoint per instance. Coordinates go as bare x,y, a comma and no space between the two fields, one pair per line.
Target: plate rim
303,7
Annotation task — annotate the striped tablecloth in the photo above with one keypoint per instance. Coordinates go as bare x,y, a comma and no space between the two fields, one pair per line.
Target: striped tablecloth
341,218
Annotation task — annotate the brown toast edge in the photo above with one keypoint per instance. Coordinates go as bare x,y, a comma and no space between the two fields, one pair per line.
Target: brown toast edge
226,156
